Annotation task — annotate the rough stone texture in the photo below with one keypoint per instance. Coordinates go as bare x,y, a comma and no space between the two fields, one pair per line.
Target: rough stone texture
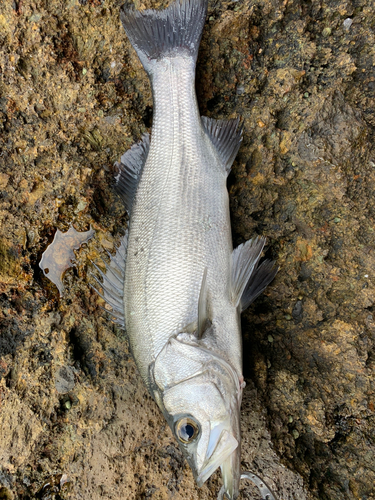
73,98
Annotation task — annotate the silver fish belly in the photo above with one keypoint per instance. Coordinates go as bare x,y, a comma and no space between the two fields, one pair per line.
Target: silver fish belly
182,290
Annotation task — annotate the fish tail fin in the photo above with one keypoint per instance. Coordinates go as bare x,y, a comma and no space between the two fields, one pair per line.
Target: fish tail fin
156,34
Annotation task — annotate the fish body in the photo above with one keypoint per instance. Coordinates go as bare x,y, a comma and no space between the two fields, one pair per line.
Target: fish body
183,287
180,226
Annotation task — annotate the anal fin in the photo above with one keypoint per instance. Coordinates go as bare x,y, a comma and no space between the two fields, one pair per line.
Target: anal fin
226,136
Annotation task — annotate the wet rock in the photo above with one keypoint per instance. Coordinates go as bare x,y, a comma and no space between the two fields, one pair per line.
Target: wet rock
301,75
64,379
6,485
297,311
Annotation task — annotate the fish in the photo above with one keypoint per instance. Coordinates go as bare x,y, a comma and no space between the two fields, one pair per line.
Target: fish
175,283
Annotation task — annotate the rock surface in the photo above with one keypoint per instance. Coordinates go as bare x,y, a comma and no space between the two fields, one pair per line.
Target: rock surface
75,419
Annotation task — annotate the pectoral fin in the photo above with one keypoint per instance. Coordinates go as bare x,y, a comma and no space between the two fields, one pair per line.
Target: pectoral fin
202,306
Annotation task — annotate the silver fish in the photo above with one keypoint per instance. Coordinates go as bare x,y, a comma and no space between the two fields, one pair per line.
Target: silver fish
183,288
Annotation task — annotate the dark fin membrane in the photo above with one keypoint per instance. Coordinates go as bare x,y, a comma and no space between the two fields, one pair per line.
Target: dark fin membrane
259,280
226,136
244,261
130,170
202,306
112,282
155,34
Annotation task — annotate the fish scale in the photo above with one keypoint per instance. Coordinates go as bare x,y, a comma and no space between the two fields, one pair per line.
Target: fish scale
183,285
178,190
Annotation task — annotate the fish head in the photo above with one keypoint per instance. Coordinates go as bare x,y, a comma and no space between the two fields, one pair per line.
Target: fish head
200,394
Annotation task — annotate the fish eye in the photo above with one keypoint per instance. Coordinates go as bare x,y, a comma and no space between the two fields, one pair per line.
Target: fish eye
186,429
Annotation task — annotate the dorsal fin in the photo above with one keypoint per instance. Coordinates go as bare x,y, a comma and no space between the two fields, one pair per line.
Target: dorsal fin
202,306
226,136
130,169
112,282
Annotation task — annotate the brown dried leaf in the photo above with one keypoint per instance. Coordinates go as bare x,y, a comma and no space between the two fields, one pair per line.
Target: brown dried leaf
59,255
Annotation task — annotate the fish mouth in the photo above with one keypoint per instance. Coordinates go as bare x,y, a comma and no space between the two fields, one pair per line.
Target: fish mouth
217,452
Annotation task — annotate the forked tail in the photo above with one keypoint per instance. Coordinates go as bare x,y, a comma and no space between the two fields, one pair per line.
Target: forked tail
156,34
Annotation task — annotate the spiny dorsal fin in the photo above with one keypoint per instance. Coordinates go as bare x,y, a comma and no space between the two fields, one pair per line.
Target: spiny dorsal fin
244,260
226,136
202,306
130,169
259,280
112,282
